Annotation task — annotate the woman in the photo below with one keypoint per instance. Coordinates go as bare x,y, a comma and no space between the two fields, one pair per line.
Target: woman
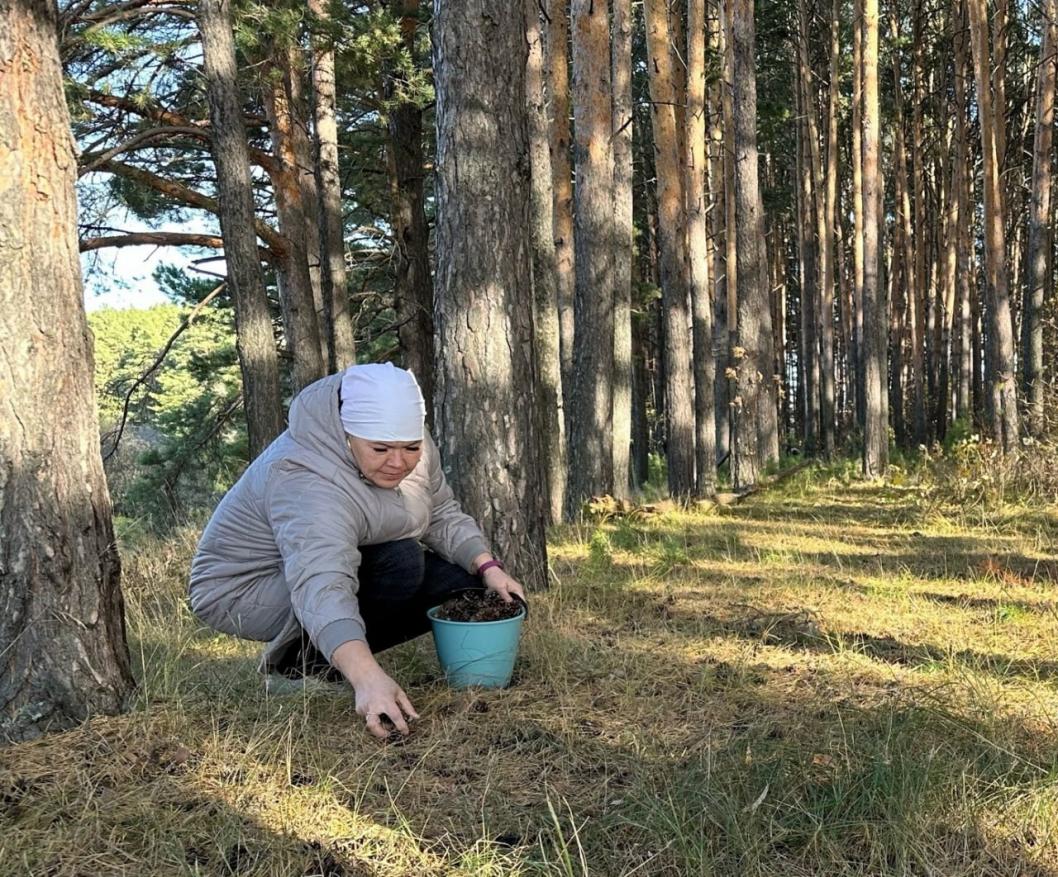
318,548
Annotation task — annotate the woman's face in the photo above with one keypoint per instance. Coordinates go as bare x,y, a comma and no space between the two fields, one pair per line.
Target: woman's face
385,464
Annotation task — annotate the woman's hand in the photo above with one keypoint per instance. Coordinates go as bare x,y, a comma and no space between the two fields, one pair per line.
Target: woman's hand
377,695
496,579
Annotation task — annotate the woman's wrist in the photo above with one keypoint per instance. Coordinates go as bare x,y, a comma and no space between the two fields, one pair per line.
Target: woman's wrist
491,563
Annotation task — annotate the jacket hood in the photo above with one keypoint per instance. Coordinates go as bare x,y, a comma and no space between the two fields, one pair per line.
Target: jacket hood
316,428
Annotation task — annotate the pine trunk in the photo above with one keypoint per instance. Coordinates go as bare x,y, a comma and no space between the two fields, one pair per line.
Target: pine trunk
337,321
591,407
755,429
624,242
545,276
486,389
413,285
697,195
63,656
679,404
258,360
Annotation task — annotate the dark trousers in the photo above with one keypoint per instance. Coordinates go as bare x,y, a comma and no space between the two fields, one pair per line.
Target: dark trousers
399,582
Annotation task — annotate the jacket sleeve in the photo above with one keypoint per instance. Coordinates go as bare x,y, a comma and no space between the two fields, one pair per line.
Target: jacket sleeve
452,533
317,530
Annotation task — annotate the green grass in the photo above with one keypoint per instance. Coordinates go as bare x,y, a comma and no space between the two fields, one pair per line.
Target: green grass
830,678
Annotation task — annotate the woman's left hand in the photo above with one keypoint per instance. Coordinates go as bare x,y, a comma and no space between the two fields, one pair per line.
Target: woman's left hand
497,580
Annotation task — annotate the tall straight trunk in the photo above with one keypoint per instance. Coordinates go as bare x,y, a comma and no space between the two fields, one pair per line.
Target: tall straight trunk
337,324
697,195
809,269
718,224
756,440
295,284
904,282
413,285
562,188
591,406
679,404
727,310
624,241
964,387
949,281
857,210
1038,270
545,279
1001,327
920,290
63,656
832,277
258,361
486,387
875,433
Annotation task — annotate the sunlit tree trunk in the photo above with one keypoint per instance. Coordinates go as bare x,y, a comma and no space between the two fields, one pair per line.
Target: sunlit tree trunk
63,656
697,195
1038,271
295,284
875,439
624,242
756,441
591,406
831,281
337,323
545,279
562,189
964,386
679,404
486,390
411,234
857,207
920,291
809,349
258,361
1001,330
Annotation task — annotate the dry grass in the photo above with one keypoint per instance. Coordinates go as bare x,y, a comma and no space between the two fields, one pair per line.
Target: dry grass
831,679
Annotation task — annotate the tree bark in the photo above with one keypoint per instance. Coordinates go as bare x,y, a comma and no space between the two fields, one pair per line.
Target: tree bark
756,442
624,242
857,210
809,348
413,291
831,281
545,274
1038,270
486,388
964,388
562,189
258,360
696,191
679,404
1001,329
921,289
591,408
63,656
876,427
295,283
337,321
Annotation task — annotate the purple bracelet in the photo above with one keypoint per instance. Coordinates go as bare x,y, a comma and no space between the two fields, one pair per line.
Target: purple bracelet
489,564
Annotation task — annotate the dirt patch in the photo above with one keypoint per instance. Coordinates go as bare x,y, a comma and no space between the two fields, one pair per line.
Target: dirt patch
478,606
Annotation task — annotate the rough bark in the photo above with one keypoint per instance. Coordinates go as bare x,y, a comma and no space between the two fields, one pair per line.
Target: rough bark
1001,329
697,195
562,189
809,348
917,305
1038,270
485,392
679,403
755,430
876,427
718,221
832,278
591,408
964,387
63,656
545,276
411,234
295,284
624,241
337,321
258,361
857,212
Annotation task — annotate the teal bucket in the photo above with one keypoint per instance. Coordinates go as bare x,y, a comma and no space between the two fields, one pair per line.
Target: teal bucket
477,653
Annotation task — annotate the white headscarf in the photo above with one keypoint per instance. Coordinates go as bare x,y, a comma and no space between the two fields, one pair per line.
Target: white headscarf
382,403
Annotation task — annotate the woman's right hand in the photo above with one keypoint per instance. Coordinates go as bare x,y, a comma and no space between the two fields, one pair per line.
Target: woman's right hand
377,695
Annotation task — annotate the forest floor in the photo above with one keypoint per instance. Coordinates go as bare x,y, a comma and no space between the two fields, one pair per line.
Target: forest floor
830,678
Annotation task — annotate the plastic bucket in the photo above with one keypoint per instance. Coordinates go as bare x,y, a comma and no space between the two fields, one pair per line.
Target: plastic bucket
477,653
